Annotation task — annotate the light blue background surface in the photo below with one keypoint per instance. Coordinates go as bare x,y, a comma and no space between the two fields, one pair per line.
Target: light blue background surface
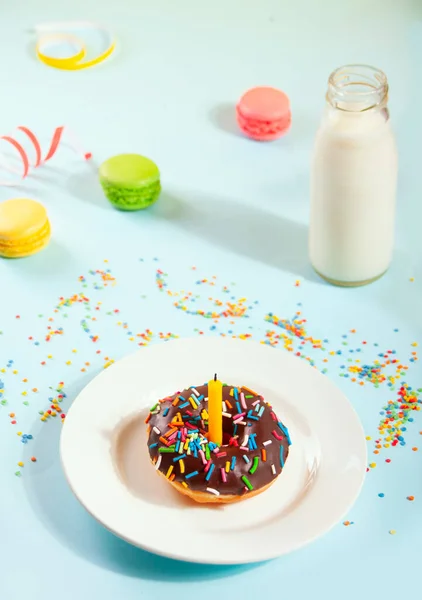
235,209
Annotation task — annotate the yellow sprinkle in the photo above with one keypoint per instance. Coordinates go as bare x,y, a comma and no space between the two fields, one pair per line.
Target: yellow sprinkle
368,437
227,466
411,279
74,350
43,419
19,433
68,362
24,393
170,469
186,446
53,413
231,392
20,464
3,370
372,465
14,372
50,356
184,484
392,532
194,404
414,344
182,465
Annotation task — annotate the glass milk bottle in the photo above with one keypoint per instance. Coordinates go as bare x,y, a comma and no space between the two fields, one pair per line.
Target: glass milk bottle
353,180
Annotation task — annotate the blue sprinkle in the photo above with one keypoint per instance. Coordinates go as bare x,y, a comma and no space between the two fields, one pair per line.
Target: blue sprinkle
252,416
234,430
282,457
166,411
236,394
285,431
184,404
211,469
239,410
233,463
153,445
179,458
177,446
246,458
199,398
381,495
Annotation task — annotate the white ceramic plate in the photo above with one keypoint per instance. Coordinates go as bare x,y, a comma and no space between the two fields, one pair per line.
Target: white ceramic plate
105,457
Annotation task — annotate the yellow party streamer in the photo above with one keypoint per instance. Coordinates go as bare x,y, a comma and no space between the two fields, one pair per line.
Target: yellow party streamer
59,32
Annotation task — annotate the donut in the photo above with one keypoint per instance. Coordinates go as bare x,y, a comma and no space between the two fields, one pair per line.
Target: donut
253,454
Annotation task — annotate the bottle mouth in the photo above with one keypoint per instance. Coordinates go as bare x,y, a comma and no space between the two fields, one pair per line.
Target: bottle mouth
357,88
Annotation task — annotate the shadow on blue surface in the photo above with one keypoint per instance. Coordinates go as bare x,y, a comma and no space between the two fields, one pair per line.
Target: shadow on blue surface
52,261
245,230
85,186
59,511
223,116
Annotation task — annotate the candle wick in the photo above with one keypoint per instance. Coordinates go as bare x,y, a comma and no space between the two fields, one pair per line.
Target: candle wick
215,377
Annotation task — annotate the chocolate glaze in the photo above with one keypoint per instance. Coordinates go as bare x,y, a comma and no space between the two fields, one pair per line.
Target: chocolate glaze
263,423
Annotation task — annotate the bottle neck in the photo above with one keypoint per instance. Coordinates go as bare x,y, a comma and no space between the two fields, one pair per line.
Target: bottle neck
357,89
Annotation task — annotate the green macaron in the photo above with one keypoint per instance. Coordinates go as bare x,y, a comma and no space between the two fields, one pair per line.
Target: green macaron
130,181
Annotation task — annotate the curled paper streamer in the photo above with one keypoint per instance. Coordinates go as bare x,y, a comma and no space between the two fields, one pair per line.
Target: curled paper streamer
73,36
29,136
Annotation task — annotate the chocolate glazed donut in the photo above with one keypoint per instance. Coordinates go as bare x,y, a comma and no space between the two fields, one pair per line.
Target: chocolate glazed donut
254,451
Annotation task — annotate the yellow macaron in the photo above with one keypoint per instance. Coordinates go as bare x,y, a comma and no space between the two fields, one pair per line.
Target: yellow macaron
24,227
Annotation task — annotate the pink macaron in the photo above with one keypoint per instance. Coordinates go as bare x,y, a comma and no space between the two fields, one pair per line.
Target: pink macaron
263,113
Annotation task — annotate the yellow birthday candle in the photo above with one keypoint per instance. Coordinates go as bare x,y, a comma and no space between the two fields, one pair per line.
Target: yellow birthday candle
215,411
